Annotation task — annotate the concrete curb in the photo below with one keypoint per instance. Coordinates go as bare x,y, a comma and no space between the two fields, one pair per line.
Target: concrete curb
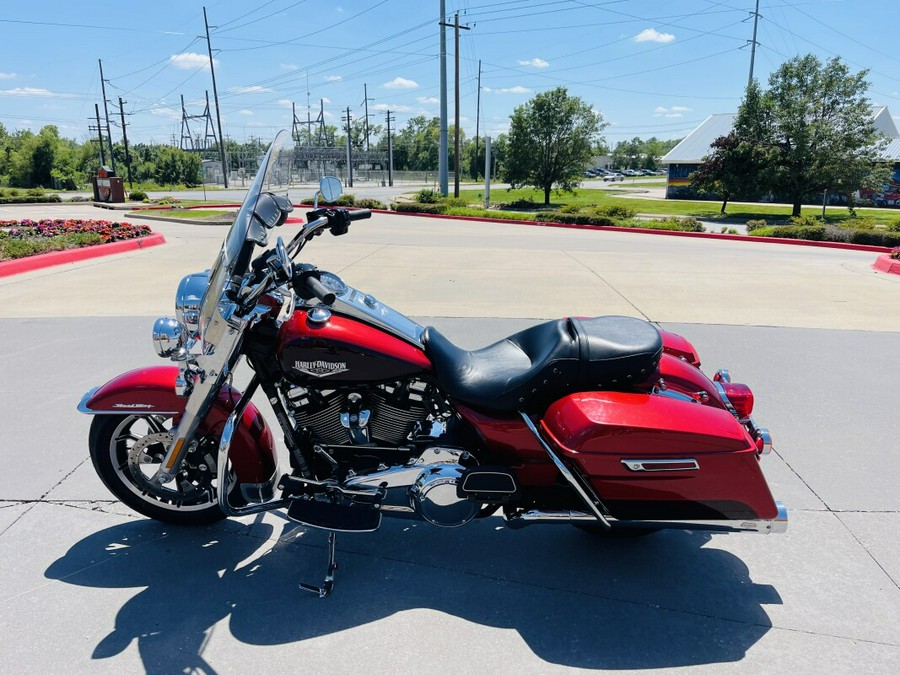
885,263
36,262
173,219
670,233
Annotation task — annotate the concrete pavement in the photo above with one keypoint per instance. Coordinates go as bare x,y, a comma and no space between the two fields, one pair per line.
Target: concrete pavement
87,586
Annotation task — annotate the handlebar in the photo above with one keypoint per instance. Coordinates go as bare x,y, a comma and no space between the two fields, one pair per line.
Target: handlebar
317,289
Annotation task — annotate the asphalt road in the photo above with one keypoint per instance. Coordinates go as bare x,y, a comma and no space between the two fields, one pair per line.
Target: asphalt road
87,586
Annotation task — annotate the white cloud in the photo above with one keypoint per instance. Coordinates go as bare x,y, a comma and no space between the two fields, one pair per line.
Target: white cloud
508,90
383,107
8,76
245,112
333,78
428,100
401,83
536,62
653,35
254,89
169,113
33,92
290,66
286,103
674,111
326,100
191,61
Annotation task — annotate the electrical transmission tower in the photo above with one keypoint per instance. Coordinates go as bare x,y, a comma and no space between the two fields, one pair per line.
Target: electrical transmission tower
198,143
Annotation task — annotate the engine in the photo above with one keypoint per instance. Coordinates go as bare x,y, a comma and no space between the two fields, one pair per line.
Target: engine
384,415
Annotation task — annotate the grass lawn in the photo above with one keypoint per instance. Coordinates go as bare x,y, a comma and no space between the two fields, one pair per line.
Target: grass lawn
675,207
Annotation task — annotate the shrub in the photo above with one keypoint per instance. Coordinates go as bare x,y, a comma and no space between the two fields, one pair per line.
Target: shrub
35,192
806,221
78,198
755,224
413,207
616,211
875,238
137,196
894,227
858,224
672,223
813,232
527,203
569,208
427,196
728,230
346,200
367,203
165,201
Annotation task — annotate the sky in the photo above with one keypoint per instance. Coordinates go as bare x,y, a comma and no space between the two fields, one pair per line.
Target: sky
652,68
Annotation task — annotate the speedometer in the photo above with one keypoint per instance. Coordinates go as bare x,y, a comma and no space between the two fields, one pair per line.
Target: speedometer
333,283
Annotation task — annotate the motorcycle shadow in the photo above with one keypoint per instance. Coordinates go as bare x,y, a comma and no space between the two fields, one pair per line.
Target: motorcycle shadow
576,600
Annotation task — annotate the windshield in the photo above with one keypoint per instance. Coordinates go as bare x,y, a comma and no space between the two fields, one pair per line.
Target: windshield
274,175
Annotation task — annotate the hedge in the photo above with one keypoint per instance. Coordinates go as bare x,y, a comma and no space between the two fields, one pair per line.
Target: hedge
827,233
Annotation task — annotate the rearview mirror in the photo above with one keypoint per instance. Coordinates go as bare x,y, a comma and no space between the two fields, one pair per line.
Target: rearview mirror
331,188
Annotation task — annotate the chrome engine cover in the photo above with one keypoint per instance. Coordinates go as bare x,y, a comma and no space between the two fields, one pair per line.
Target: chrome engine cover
424,488
434,498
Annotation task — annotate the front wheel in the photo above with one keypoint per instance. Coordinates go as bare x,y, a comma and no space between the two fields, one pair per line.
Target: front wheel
126,451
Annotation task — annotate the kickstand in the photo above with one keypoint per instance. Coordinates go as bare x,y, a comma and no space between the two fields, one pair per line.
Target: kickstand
325,590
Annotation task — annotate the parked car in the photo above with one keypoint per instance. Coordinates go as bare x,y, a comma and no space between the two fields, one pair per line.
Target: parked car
613,177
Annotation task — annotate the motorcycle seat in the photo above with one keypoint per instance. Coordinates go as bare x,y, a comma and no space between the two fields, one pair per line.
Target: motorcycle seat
533,368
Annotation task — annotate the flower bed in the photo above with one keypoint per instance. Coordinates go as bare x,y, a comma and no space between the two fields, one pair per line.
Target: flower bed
20,238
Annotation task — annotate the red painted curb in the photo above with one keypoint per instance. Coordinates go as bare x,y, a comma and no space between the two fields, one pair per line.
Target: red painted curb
885,263
670,233
36,262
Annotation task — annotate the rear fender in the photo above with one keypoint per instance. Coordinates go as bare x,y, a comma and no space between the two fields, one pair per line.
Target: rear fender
151,391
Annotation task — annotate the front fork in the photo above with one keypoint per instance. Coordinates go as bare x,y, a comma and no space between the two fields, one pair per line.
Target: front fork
204,387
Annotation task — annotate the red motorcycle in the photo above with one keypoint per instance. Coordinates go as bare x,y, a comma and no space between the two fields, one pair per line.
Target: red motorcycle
606,423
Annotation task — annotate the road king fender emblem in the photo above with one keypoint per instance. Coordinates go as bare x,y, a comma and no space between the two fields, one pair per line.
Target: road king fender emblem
321,368
133,406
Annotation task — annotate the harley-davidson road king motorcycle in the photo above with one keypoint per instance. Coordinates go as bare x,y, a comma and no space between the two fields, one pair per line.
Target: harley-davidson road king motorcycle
604,423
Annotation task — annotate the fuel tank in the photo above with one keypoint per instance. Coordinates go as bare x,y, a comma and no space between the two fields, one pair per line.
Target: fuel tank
329,349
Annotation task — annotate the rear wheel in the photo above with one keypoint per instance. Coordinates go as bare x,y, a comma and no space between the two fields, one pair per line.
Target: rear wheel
127,450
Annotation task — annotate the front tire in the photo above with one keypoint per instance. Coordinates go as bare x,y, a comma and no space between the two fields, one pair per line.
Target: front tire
126,451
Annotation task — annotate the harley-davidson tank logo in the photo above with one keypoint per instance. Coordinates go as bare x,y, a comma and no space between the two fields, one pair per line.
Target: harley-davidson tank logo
321,368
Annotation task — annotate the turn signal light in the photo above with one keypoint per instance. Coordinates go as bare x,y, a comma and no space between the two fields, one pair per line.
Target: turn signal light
741,398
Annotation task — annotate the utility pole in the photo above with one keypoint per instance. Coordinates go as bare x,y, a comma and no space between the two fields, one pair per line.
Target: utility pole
349,153
753,43
212,72
125,141
100,135
442,144
112,157
456,28
477,111
487,171
366,100
390,151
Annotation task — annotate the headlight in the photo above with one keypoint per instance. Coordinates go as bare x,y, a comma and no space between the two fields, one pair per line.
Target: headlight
188,298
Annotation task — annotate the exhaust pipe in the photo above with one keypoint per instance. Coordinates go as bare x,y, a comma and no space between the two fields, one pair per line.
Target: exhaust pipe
536,517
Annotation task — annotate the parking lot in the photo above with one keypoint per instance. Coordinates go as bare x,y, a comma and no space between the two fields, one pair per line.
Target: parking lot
88,586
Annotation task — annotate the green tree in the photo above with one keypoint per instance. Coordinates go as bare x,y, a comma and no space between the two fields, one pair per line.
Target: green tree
811,131
551,139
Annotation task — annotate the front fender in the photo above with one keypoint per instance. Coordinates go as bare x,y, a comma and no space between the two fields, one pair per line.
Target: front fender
151,391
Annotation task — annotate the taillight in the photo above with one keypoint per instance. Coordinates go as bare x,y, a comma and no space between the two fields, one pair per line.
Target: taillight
740,396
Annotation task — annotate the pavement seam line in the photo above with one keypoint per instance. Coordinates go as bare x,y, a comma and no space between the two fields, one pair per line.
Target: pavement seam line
869,553
365,257
609,285
42,497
